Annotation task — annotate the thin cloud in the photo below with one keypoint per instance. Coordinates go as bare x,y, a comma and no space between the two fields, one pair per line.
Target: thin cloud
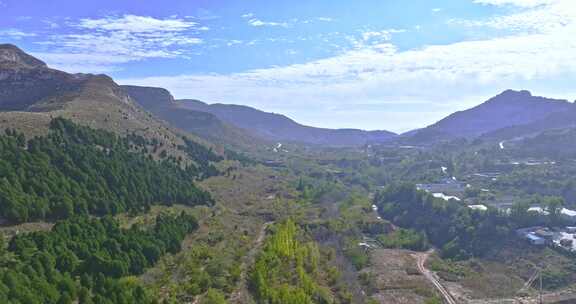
519,3
259,23
550,17
15,34
325,19
137,24
105,43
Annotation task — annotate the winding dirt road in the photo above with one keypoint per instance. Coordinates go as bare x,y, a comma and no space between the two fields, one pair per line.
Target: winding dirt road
421,259
241,293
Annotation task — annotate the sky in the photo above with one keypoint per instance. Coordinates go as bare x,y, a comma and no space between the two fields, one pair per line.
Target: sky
371,64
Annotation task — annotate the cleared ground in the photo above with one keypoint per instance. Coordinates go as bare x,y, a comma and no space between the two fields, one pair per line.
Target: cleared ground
395,278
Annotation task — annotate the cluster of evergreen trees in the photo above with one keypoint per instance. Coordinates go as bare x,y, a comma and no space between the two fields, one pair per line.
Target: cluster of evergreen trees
457,230
85,260
460,232
203,157
286,271
76,170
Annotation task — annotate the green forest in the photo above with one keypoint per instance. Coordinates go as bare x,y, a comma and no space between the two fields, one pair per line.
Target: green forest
87,260
76,170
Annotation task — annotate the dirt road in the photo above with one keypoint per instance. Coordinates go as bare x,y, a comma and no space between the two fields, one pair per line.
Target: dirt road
430,276
241,293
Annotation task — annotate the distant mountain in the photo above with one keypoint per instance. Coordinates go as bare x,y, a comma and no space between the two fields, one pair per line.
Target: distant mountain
559,142
31,94
161,103
278,127
554,121
510,109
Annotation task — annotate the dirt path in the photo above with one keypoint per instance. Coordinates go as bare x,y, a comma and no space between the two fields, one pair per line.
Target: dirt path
241,293
430,276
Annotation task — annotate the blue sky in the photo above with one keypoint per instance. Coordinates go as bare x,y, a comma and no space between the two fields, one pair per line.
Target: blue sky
372,64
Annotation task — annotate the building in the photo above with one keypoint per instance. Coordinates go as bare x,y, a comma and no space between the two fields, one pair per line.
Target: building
534,235
564,212
535,240
544,233
449,186
478,207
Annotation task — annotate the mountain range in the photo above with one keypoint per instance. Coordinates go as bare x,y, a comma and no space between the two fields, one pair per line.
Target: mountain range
277,127
31,93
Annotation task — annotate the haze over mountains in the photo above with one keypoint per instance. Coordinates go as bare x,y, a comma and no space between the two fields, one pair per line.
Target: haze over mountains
31,93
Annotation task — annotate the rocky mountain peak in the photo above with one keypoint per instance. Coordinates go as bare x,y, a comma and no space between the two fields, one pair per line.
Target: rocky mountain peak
13,57
512,96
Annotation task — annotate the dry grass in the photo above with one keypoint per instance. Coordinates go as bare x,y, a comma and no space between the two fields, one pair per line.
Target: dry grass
230,228
501,275
396,278
11,231
31,124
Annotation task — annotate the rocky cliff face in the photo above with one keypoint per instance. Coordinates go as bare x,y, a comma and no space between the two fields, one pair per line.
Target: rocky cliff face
25,80
13,57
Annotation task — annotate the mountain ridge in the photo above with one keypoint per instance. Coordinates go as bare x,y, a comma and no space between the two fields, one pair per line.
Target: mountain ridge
161,103
508,109
32,94
278,127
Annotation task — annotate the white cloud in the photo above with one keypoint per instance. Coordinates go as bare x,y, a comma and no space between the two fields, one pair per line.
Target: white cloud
520,3
137,24
556,15
234,42
451,77
100,45
437,10
258,23
325,19
379,36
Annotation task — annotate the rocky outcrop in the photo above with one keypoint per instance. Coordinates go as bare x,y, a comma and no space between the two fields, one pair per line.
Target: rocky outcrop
13,57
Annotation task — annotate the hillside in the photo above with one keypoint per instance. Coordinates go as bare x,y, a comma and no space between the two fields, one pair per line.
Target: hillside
278,127
506,110
558,120
206,125
31,94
